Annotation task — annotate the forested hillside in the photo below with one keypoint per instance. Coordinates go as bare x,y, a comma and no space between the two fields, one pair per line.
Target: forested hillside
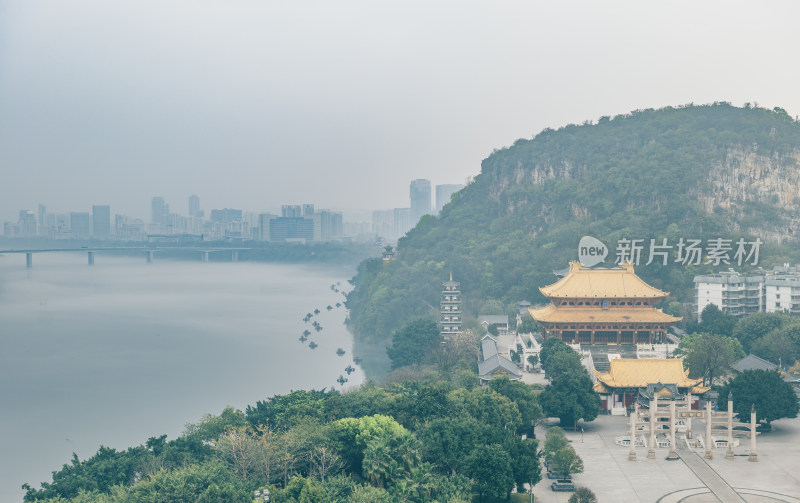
704,172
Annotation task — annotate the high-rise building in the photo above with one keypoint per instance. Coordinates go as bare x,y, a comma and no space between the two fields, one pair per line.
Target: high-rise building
42,219
402,221
308,210
291,229
79,225
327,225
291,211
420,192
444,193
27,223
160,213
194,206
383,223
101,221
263,225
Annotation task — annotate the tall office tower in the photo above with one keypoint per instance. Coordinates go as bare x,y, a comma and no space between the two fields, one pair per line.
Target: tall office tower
194,206
327,225
444,193
101,221
27,223
308,210
42,220
291,211
402,222
263,225
420,199
383,223
79,225
160,210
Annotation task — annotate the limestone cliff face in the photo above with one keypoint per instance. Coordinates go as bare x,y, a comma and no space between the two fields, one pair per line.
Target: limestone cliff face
747,185
753,192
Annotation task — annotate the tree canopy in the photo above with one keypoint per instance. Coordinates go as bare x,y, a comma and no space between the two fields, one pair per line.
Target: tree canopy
772,397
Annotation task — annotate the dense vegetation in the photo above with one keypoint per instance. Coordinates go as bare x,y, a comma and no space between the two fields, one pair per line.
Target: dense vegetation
437,438
641,175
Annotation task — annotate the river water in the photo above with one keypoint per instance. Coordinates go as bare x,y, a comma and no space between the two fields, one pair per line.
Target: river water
123,350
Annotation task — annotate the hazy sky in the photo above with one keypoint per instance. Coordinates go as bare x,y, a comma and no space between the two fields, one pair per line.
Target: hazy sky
254,104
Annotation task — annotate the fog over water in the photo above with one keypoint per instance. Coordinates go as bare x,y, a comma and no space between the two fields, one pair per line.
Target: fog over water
124,350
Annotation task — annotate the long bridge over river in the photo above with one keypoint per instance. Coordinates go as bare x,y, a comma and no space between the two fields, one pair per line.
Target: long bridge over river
148,252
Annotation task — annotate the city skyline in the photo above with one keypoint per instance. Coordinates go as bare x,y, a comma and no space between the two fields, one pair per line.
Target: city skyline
296,221
191,98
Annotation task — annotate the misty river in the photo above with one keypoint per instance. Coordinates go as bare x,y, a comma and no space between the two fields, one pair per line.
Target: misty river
123,350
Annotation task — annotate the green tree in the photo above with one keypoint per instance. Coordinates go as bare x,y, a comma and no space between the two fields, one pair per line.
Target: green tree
487,406
709,355
528,326
551,347
489,466
583,495
570,397
563,362
210,427
208,482
524,397
350,436
390,458
526,465
714,321
281,411
554,439
369,494
414,343
772,397
776,347
757,325
566,460
447,441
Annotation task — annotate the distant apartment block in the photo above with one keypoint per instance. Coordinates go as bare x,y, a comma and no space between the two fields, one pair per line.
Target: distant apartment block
739,294
159,211
444,193
291,229
291,211
101,221
194,206
420,194
79,225
27,224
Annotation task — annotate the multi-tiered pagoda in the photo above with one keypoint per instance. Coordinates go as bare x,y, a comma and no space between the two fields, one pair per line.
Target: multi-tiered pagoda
603,306
450,309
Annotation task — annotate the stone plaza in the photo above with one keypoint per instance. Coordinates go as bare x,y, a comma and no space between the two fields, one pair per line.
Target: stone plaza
690,479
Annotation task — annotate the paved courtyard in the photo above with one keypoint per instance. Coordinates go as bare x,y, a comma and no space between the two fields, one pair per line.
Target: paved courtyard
692,479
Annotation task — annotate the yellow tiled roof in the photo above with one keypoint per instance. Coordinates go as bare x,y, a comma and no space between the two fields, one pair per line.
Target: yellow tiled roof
582,282
599,387
636,373
555,314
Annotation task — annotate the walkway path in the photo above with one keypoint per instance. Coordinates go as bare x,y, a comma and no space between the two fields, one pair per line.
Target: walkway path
710,478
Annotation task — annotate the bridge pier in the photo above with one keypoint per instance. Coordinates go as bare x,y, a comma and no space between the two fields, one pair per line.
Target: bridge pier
205,256
235,256
29,260
150,254
91,258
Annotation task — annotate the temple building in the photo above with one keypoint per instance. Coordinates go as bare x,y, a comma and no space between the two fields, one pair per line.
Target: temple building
629,380
603,306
